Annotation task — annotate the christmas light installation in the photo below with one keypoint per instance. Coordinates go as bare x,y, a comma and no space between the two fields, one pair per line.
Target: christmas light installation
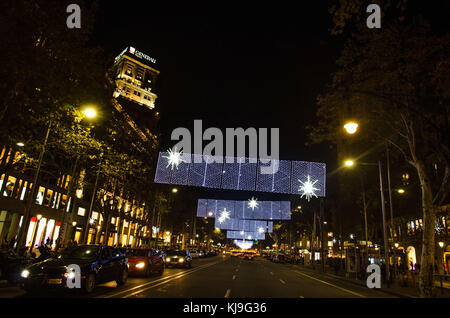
246,235
173,158
245,245
253,203
307,188
239,174
266,210
224,215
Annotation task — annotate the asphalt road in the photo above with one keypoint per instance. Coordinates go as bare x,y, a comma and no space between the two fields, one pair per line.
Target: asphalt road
231,277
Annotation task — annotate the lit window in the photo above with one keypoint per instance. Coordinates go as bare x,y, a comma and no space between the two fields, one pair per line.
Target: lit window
40,196
81,211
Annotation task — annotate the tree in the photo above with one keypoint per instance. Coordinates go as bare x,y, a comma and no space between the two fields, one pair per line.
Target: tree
395,81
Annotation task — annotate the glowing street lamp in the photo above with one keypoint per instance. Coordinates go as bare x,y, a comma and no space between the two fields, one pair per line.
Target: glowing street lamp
174,190
351,127
20,144
441,244
90,112
401,191
349,163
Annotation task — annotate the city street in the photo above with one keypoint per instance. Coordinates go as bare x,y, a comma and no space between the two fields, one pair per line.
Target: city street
231,277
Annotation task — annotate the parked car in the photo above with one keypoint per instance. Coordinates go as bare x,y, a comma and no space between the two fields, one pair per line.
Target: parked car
178,258
98,264
145,261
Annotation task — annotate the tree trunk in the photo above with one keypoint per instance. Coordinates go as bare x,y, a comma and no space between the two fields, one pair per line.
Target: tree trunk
426,284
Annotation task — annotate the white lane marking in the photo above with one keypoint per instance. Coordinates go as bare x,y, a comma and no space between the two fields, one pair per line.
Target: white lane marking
329,284
163,280
282,281
227,294
234,277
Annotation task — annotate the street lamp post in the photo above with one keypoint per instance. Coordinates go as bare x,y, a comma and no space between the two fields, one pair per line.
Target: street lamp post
351,128
386,251
365,220
391,208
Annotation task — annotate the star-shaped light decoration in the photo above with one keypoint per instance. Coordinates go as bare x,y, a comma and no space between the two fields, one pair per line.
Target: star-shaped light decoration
174,158
253,203
307,188
224,215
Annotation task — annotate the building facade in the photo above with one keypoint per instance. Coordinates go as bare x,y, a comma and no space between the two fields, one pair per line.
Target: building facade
58,216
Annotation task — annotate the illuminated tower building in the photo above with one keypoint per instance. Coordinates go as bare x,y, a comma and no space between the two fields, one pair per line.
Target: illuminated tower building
136,77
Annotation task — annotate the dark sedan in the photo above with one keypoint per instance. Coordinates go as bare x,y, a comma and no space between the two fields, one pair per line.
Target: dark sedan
98,264
178,258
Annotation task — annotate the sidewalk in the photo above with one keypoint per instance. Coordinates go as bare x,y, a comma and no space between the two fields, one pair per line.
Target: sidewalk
10,291
394,289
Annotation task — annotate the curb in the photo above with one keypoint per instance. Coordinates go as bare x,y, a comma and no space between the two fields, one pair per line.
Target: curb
356,282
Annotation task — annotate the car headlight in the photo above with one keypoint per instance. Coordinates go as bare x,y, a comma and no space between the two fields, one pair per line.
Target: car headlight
181,260
168,259
140,265
70,275
25,273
